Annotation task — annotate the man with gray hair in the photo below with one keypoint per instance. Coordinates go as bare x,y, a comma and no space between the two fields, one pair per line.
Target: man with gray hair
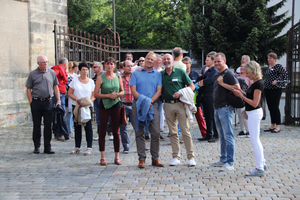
178,55
245,59
62,77
97,69
41,84
173,80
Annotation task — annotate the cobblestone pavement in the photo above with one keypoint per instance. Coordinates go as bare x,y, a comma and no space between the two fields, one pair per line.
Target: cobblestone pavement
24,175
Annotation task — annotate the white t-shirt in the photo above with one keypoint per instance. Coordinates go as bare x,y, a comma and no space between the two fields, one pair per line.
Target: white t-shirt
81,90
179,64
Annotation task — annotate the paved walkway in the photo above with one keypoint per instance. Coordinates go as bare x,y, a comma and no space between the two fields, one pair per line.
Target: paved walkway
24,175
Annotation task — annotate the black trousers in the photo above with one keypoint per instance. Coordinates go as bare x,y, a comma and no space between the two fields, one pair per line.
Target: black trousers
208,112
88,132
41,109
273,99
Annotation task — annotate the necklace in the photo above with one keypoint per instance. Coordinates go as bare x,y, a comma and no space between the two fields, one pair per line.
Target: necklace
83,80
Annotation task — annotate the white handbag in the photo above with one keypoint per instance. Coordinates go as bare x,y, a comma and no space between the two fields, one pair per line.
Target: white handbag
85,114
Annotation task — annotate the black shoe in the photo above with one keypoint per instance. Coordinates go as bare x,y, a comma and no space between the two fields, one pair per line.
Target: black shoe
50,151
147,138
161,137
243,134
247,134
36,151
213,140
204,139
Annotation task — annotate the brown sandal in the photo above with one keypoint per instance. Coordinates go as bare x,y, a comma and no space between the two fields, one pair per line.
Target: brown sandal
118,162
103,161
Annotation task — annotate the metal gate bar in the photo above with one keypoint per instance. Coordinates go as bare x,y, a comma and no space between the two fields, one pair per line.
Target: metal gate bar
292,101
78,46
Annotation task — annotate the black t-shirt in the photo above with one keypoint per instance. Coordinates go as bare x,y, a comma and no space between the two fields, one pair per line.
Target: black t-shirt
221,93
258,85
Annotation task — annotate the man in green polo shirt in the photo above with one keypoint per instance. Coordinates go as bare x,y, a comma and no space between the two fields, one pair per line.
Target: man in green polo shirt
174,79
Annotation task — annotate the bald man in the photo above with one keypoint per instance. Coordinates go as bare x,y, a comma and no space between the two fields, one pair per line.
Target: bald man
41,84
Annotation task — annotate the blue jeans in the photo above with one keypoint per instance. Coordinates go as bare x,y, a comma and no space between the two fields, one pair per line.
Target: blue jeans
223,119
63,105
123,128
96,109
70,122
179,130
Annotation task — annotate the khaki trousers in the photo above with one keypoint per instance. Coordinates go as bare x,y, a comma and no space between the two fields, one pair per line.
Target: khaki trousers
153,130
174,111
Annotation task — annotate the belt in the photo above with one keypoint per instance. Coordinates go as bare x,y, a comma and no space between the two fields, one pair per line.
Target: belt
42,99
127,104
173,101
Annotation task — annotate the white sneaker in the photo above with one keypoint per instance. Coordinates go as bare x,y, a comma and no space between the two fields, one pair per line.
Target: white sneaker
218,164
227,167
175,162
96,139
111,137
192,162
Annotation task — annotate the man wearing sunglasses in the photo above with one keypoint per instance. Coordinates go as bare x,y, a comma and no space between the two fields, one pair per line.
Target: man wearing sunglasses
139,64
97,69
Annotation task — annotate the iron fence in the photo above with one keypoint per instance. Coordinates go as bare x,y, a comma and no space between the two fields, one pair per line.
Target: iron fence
79,46
292,101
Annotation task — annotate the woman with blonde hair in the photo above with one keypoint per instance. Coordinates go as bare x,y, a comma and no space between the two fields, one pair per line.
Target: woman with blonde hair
73,69
253,108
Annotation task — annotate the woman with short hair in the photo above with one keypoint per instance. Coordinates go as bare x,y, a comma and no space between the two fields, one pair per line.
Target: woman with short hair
80,87
275,78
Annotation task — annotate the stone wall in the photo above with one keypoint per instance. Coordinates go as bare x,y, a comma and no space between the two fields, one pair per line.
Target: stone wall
26,31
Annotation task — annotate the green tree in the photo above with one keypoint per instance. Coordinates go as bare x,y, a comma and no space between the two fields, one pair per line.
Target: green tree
91,16
152,23
237,27
141,24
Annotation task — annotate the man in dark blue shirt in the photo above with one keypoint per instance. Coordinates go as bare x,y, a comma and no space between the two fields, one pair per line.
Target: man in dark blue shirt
207,85
194,76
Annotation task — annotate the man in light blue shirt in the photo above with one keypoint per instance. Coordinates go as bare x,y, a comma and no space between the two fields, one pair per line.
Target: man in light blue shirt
147,82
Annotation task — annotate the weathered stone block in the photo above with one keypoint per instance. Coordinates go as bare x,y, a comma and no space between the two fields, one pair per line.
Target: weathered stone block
35,27
37,16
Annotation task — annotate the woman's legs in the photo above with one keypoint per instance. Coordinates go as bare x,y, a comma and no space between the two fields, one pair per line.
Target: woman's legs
89,132
103,117
115,118
273,99
254,118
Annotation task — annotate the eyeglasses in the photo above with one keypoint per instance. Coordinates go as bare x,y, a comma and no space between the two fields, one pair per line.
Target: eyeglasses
95,67
46,62
141,60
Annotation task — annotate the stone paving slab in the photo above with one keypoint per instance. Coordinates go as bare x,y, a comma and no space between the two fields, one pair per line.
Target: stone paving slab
24,175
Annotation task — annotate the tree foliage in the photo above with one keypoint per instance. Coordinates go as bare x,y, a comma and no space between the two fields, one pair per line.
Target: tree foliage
141,24
237,27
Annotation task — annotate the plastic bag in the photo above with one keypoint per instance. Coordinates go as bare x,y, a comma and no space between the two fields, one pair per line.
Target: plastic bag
85,114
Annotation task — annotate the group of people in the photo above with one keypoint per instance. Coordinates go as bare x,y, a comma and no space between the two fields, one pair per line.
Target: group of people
150,87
